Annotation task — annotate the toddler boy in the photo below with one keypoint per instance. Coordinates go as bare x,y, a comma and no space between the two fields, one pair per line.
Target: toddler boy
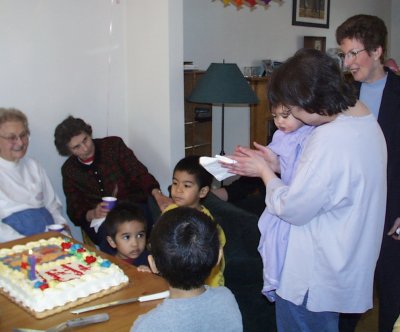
126,229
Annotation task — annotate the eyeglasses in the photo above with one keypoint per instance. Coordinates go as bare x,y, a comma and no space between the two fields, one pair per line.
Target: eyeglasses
350,55
12,139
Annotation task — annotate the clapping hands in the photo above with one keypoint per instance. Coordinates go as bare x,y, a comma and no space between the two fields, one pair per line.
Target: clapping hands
259,162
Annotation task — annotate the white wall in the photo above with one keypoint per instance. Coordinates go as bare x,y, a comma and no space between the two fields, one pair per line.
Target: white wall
245,36
115,63
395,31
155,84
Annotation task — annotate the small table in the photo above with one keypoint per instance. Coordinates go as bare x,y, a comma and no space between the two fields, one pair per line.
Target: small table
121,316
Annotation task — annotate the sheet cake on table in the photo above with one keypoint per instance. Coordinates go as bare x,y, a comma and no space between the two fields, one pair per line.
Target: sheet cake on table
48,276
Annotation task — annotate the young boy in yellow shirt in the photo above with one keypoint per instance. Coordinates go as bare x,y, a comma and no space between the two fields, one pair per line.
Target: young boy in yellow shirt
190,184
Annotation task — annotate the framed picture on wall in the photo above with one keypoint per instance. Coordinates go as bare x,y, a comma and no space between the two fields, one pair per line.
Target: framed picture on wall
311,13
317,43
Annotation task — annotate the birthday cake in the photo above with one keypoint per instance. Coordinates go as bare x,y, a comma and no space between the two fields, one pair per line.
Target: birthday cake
52,275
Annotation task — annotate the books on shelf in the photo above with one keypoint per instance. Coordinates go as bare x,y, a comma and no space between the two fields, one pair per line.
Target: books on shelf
188,65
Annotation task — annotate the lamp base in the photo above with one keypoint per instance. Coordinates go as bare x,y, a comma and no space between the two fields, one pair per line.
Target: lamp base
222,153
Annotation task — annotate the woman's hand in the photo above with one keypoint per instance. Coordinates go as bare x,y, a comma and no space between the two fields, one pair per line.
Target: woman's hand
269,156
98,212
250,163
392,232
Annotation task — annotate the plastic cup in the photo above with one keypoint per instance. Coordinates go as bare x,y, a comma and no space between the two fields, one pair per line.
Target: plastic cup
110,202
55,228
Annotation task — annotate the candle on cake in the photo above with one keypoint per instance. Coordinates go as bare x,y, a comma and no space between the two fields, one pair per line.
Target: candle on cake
31,269
24,264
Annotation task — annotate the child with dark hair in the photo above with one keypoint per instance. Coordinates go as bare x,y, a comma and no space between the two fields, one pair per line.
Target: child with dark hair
184,248
190,184
126,228
189,174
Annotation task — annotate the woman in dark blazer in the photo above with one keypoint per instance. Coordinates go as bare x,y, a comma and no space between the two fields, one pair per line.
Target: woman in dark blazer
362,39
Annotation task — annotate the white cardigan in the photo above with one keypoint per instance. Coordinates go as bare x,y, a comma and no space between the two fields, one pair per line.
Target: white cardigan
25,185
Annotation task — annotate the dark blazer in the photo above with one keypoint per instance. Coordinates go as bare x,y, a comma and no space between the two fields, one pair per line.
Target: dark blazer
114,166
388,267
389,120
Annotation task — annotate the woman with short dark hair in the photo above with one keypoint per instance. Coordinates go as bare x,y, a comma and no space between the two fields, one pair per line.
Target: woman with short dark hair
97,168
335,202
362,39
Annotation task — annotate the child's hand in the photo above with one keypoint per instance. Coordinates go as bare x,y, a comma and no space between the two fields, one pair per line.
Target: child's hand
269,156
143,268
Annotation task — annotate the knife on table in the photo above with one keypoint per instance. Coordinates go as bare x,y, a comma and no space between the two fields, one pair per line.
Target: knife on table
144,298
70,323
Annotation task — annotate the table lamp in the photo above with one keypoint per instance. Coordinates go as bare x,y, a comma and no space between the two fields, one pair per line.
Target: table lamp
223,83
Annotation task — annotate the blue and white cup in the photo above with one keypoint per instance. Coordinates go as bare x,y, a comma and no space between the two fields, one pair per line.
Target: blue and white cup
110,202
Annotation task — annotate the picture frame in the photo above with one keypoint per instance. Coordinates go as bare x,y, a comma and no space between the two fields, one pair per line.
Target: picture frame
311,13
317,43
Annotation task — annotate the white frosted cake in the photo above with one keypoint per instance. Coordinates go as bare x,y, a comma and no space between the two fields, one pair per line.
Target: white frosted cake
52,275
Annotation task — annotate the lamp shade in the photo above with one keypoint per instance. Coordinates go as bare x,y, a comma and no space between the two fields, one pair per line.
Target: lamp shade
223,83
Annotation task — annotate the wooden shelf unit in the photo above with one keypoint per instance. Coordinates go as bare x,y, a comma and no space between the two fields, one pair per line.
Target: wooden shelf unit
198,132
261,122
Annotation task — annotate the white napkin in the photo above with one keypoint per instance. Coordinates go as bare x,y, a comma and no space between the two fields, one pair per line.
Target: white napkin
214,167
96,223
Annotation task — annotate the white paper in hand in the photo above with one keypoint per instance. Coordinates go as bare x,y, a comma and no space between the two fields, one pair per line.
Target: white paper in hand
213,166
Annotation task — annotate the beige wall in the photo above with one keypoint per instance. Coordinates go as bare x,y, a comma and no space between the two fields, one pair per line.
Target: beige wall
395,31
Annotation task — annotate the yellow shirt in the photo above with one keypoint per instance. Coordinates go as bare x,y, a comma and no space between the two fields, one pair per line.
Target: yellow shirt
216,277
396,327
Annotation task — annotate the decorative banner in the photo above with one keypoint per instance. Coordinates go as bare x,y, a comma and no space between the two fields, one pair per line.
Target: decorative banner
252,3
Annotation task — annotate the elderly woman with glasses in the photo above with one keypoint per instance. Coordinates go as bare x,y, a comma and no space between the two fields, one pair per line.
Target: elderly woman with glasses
28,202
362,39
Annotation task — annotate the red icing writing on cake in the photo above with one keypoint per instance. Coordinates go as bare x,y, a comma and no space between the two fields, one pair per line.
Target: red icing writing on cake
65,272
